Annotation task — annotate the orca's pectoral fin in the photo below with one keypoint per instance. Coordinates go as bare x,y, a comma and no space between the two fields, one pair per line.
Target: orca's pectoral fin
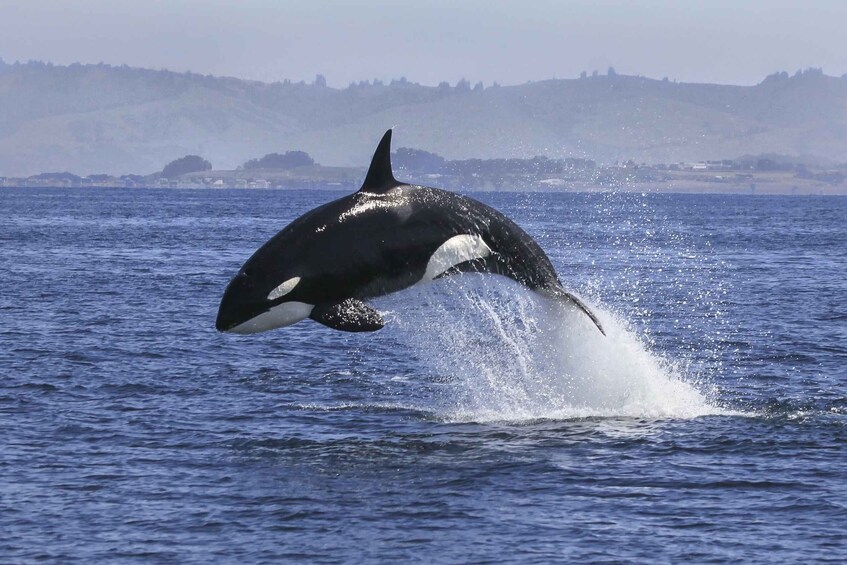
565,296
349,315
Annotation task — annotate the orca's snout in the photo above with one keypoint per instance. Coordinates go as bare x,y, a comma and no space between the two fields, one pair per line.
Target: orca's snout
227,318
235,308
224,321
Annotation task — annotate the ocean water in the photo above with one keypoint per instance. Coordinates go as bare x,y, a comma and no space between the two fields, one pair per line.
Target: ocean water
483,424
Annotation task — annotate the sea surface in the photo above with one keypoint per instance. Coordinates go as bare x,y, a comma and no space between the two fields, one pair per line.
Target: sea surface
483,424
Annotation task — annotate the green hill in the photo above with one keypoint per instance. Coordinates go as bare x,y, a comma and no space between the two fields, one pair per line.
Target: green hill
98,118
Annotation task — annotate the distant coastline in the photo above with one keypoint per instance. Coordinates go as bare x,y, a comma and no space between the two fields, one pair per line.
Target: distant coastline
746,176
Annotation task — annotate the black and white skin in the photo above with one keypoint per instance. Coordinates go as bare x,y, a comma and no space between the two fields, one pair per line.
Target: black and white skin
384,238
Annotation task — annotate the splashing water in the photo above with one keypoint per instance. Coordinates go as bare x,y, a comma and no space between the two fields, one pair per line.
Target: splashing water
503,353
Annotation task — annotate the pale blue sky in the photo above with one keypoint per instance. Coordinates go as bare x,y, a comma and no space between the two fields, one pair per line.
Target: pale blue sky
733,42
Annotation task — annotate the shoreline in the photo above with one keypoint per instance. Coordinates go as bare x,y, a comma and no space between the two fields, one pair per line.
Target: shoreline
577,188
603,179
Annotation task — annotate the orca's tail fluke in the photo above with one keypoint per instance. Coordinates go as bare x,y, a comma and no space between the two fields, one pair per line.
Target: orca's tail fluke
565,296
494,264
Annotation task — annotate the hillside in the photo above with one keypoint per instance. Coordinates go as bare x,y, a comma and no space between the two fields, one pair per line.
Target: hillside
98,118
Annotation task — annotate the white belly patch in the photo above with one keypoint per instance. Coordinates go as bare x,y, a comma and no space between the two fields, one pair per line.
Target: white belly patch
456,250
279,316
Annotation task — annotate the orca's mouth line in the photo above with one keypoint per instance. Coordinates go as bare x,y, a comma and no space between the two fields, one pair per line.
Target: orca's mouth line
227,327
260,320
225,324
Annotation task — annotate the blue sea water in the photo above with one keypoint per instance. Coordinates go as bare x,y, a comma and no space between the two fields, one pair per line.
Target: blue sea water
481,425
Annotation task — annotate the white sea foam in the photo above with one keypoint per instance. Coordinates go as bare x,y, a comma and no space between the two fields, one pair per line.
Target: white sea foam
506,354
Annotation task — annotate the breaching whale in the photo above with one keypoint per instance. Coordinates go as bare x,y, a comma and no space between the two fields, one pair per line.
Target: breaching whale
384,238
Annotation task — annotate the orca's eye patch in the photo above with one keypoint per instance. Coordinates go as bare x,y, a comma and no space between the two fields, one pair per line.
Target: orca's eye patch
284,288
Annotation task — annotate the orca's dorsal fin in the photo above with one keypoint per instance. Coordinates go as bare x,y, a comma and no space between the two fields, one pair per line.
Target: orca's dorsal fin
380,178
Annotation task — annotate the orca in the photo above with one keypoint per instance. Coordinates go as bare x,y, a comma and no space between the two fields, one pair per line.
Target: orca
384,238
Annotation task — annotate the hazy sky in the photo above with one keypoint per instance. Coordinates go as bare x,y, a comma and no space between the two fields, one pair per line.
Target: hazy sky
734,42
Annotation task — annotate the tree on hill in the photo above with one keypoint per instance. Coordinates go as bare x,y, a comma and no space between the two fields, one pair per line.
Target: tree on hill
288,160
56,176
133,178
187,164
417,160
